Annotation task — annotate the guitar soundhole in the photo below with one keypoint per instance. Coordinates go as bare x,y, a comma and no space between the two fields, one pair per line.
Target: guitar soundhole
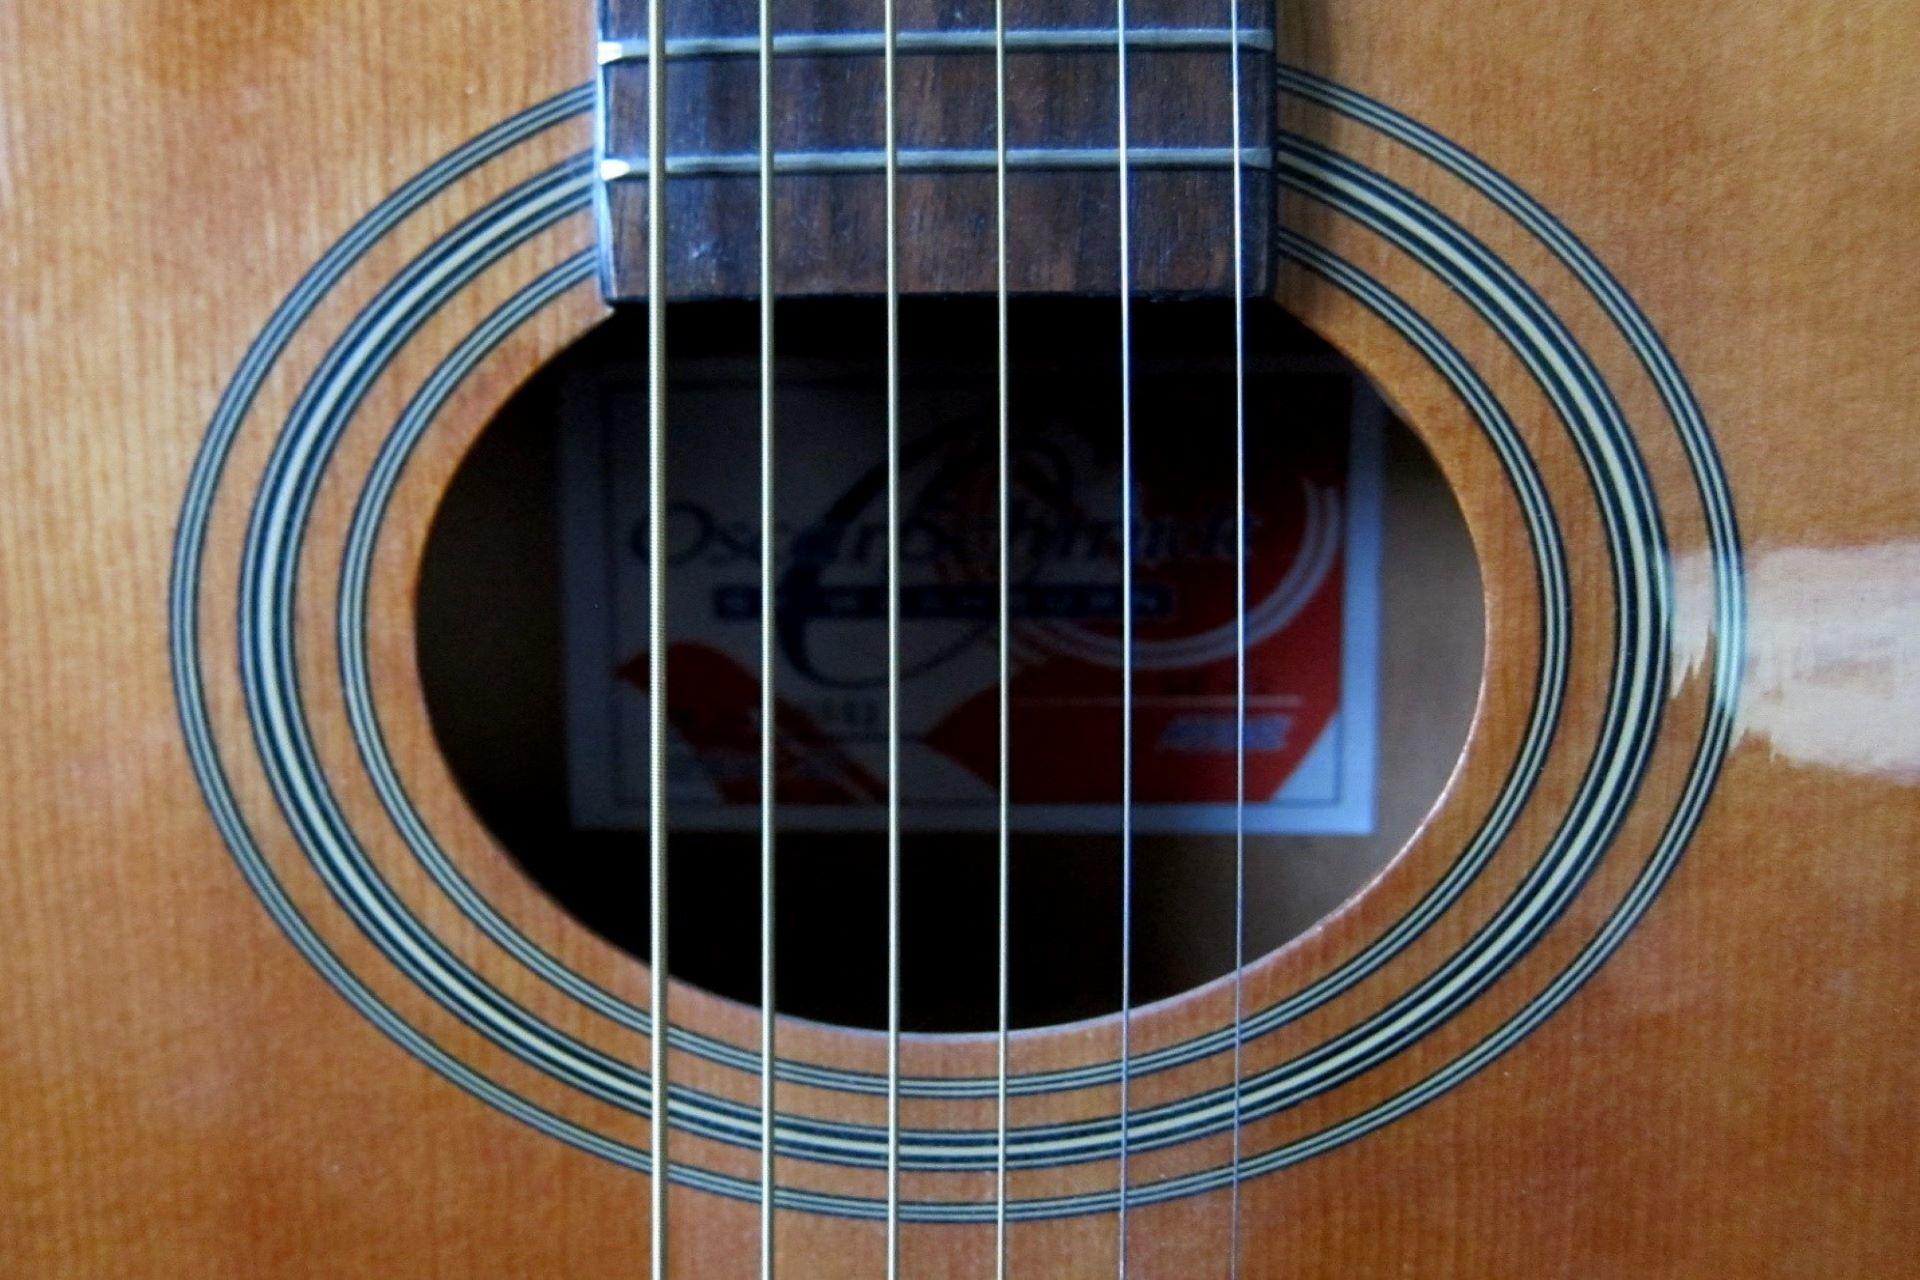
1363,654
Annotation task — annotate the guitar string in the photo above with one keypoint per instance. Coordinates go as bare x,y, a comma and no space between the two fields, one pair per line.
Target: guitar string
657,625
893,646
1240,636
657,631
1126,622
767,722
1004,433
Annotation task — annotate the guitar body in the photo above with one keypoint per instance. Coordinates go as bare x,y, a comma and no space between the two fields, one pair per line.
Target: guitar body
1675,245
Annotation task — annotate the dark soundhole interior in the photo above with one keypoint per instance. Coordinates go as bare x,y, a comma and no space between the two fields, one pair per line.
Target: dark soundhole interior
533,647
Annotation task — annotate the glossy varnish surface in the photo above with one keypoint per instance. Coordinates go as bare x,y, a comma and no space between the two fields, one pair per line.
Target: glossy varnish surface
1731,1094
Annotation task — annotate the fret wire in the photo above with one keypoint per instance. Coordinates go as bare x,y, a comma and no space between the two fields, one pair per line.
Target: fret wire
893,648
935,160
1004,433
657,636
857,43
768,723
1126,622
1240,643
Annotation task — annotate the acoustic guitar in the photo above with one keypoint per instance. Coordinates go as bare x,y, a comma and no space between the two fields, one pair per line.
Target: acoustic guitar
1003,638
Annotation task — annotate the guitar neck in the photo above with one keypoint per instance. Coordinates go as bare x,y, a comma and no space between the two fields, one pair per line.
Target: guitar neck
1187,65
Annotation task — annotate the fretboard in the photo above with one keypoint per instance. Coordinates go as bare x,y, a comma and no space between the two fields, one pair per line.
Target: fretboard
1061,146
